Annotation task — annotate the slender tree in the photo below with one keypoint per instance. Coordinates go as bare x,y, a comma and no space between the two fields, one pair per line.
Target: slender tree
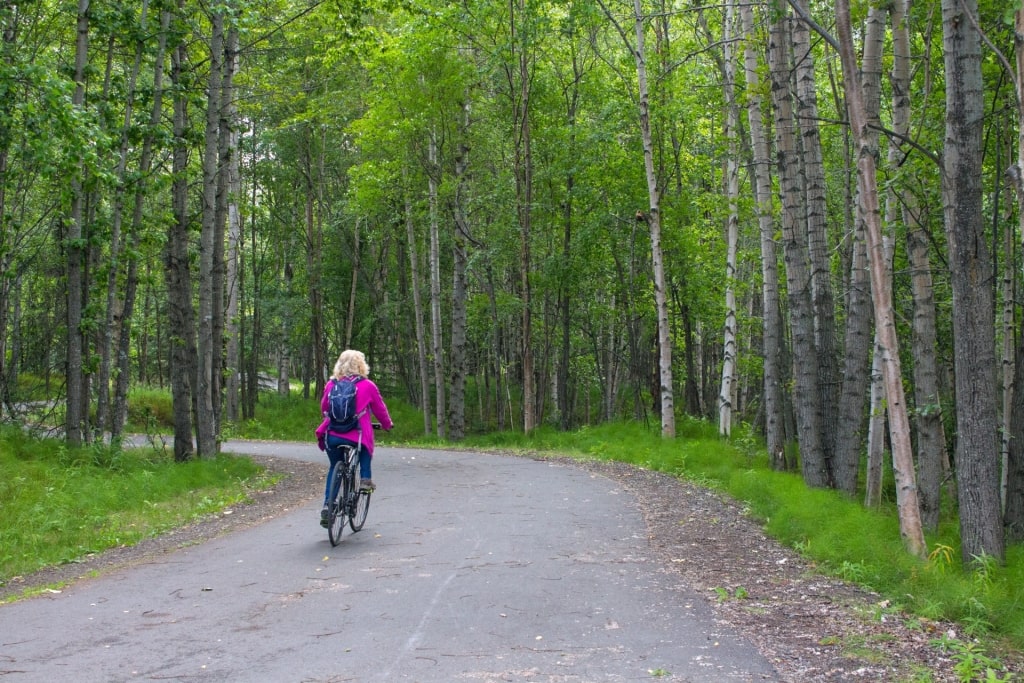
77,399
1014,508
867,183
807,393
652,217
183,363
732,187
772,324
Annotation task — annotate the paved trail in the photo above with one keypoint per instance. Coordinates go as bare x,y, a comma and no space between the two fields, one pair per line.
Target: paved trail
470,567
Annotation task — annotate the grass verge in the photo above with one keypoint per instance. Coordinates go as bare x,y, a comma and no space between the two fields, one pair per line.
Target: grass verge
59,505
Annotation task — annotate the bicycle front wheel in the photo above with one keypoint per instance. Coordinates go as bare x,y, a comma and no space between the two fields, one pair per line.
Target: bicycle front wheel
338,513
359,510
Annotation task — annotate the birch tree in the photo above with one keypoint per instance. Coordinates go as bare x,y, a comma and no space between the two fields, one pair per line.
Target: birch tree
932,459
652,217
772,325
867,183
798,268
727,391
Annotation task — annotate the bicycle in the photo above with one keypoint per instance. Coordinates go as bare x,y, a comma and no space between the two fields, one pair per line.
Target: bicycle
349,502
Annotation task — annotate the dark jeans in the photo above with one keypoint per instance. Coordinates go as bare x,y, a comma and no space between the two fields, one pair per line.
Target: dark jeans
334,445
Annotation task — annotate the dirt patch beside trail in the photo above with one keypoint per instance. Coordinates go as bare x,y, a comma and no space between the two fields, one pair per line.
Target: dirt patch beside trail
812,628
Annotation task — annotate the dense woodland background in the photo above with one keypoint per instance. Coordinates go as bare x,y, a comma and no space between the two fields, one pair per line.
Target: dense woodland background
803,216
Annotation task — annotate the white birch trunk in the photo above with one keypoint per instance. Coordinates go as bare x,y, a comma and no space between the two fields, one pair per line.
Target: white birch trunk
727,391
668,419
772,322
899,425
435,290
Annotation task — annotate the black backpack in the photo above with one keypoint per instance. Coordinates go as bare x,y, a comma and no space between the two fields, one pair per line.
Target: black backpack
341,405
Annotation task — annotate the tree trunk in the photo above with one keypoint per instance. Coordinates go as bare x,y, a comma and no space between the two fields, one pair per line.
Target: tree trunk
437,350
232,358
932,457
206,440
460,262
848,432
732,186
120,407
653,218
417,305
970,262
353,284
75,414
772,326
572,95
8,46
520,90
183,363
113,318
876,427
1014,508
856,378
798,276
225,154
822,299
314,265
867,183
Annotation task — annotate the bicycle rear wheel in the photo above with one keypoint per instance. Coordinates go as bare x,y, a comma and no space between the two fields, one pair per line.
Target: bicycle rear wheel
338,513
359,509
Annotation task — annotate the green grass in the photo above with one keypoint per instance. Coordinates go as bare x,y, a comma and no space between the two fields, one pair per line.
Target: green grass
60,505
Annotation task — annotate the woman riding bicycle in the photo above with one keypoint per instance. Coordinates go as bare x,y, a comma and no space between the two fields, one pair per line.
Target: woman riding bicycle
352,367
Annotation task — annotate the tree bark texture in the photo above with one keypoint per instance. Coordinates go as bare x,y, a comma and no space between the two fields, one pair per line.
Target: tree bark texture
818,248
732,188
206,435
75,413
867,183
437,348
772,325
932,458
183,362
807,394
970,262
667,403
1014,505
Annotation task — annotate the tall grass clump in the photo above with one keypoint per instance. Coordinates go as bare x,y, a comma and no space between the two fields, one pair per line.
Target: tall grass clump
61,504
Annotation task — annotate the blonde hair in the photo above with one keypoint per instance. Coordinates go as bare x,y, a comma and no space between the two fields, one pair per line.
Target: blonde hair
351,362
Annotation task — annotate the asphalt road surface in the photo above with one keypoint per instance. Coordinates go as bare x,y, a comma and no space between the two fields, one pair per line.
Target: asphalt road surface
471,567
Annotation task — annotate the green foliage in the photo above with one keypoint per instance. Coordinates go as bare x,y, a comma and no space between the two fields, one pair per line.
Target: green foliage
973,663
61,504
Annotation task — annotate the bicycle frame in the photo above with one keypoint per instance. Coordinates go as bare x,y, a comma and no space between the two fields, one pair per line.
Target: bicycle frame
347,502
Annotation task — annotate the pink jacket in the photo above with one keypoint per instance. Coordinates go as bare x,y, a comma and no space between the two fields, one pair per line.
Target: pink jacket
367,396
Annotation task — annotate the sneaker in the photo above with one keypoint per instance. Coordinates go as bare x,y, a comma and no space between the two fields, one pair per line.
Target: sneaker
367,485
325,517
